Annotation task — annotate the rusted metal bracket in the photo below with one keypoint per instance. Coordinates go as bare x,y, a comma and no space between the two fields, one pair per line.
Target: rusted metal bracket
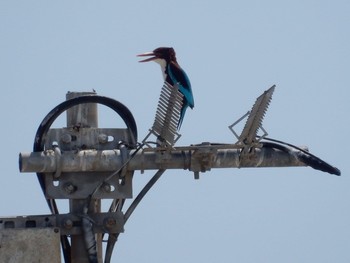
69,224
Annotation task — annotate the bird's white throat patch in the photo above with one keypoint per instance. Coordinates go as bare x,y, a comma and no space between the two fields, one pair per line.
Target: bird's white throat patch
162,64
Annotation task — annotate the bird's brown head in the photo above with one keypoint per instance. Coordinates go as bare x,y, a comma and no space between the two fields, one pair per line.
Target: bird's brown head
166,53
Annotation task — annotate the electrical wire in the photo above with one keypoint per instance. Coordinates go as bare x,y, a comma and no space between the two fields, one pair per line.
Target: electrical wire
117,171
112,238
304,156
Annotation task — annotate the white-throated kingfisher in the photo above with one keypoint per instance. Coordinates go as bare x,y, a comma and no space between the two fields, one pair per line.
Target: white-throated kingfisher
173,74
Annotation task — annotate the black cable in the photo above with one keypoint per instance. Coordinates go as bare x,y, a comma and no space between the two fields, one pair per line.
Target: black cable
117,171
112,238
120,203
143,192
304,156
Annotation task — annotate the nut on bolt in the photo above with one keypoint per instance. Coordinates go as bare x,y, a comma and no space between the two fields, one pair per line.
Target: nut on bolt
106,187
110,222
68,223
70,188
66,138
102,138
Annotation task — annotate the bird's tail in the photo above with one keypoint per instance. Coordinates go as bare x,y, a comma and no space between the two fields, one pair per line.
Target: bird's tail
182,115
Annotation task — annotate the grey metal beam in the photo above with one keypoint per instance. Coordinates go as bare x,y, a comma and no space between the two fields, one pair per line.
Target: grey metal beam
193,158
83,115
68,224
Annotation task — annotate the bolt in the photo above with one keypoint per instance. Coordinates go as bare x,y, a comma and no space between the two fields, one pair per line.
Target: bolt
196,175
106,188
102,138
70,188
68,224
66,138
110,222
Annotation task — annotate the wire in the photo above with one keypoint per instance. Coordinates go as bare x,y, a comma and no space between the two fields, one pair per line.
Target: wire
116,204
117,171
306,157
112,238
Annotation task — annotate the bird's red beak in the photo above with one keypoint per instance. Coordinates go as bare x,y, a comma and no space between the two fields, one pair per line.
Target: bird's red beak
146,55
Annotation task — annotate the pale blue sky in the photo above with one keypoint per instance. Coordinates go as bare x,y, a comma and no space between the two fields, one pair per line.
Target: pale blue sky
232,51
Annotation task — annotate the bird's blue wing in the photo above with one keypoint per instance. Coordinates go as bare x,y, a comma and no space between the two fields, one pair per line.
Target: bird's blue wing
179,76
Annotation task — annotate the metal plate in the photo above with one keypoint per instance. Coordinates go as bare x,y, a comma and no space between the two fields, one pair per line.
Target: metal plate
69,224
30,245
81,185
75,138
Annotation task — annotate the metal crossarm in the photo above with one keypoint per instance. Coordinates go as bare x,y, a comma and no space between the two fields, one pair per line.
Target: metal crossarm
84,164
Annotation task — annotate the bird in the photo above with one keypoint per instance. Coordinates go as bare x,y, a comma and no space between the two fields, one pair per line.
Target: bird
172,74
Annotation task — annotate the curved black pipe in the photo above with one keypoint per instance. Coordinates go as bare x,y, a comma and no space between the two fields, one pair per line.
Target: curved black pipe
304,156
118,107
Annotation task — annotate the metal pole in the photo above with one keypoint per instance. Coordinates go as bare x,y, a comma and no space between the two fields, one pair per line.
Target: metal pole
83,116
190,158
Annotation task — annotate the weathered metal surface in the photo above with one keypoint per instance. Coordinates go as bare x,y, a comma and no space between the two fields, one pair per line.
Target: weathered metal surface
30,245
83,115
68,224
73,138
70,186
80,116
194,158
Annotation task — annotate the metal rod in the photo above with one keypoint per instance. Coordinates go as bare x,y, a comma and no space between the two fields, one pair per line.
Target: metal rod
111,160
